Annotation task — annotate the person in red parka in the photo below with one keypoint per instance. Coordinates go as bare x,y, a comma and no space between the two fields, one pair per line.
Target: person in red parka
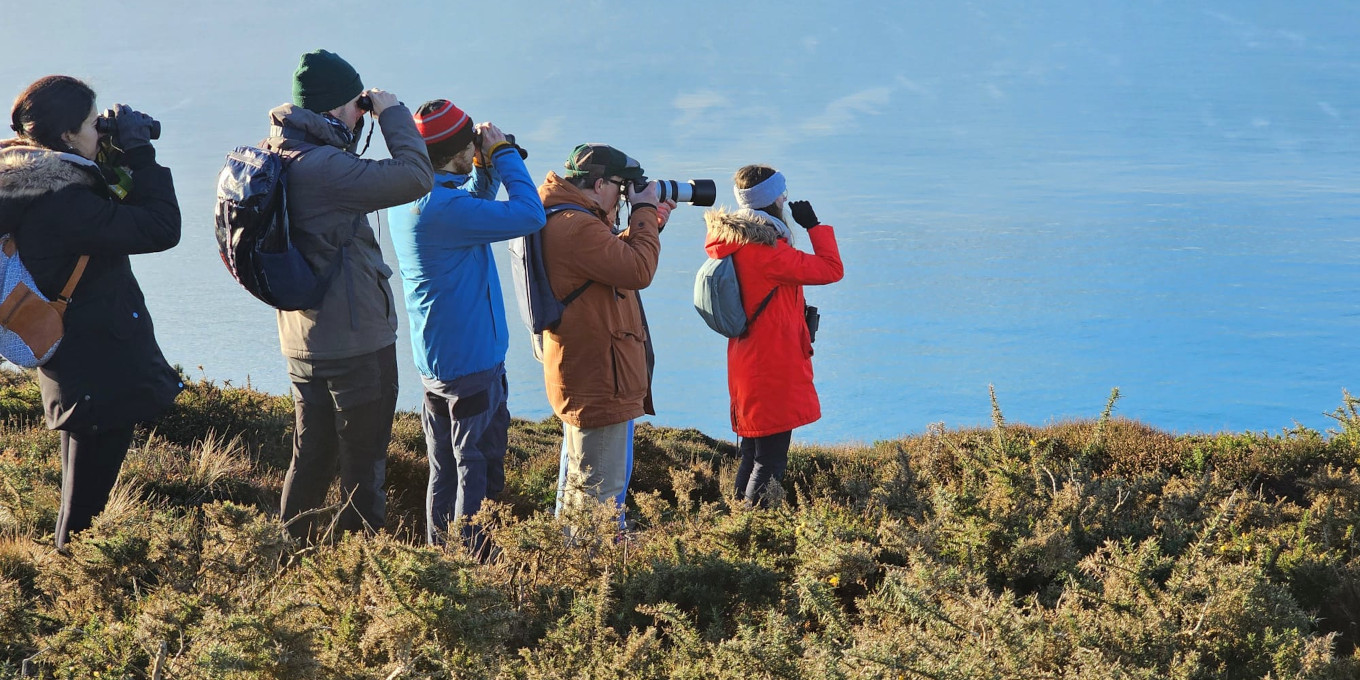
769,368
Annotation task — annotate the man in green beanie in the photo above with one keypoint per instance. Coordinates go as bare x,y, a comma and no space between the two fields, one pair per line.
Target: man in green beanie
341,355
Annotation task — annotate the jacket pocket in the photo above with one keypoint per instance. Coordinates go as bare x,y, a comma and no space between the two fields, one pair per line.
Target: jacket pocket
630,364
113,316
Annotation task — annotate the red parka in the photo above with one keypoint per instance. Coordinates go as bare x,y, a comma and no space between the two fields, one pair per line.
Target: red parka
769,370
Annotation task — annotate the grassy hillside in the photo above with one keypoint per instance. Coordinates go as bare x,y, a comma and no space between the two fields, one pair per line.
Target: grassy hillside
1099,549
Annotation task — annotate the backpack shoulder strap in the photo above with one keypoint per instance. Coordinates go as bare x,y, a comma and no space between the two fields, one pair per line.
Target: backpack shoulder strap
576,293
563,207
760,307
294,153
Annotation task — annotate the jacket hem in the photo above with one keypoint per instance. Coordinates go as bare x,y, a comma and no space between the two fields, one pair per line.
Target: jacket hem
767,431
349,353
601,420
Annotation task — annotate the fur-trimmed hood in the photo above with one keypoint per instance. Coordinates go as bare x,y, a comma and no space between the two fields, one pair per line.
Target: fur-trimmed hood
728,231
27,172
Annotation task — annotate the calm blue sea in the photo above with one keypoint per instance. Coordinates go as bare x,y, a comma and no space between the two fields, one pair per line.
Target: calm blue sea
1055,198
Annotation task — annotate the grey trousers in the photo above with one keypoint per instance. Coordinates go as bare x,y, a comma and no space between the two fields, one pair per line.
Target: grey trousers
343,410
598,463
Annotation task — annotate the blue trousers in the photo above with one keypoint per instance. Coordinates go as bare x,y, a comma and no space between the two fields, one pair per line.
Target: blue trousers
564,463
466,422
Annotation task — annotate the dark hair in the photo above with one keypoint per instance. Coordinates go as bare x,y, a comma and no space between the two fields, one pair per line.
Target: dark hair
750,175
50,107
585,182
442,151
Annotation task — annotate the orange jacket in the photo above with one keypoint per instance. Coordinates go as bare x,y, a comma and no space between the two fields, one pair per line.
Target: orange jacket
595,361
769,370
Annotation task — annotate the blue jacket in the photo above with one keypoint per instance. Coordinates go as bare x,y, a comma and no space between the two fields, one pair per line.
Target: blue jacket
443,246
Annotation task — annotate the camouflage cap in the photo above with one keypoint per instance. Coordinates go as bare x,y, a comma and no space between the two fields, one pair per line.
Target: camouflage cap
601,160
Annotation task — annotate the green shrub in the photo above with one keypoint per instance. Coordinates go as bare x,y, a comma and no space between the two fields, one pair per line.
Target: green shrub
1080,550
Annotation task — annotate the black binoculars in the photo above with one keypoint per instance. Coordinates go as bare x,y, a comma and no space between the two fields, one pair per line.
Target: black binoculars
509,138
365,103
105,126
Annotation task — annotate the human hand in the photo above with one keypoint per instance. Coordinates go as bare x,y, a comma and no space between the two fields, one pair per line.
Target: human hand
803,214
132,128
663,213
381,100
650,194
490,136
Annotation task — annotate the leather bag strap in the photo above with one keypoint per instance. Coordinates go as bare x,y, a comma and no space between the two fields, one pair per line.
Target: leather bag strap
75,278
65,298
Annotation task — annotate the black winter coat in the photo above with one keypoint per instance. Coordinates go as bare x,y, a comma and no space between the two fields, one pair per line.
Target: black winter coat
108,370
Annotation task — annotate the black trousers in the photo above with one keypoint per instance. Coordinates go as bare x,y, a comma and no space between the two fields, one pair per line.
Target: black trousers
90,461
763,459
343,412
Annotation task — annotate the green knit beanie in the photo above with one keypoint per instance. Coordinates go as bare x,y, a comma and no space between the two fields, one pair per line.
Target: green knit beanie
323,81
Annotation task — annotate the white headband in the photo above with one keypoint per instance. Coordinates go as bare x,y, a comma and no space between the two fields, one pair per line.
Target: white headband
763,194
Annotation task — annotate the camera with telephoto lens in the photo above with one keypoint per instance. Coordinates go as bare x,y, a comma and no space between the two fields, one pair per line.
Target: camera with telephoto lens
700,192
524,155
105,126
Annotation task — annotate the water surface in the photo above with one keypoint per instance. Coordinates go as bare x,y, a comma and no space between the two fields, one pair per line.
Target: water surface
1053,198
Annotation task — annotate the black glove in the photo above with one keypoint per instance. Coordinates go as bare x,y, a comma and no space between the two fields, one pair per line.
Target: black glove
132,129
803,215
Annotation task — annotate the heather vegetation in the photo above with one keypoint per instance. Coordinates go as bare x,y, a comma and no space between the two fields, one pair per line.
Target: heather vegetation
1095,549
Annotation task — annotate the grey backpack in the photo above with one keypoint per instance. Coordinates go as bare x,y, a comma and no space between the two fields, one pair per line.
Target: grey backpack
717,298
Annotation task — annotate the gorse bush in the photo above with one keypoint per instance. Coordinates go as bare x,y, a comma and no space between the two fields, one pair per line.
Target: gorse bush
1082,550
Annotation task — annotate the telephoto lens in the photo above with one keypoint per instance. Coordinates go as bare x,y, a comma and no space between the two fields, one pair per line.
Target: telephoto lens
105,126
701,192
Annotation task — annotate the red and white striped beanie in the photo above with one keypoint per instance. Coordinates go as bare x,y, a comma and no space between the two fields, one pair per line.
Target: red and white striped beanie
443,122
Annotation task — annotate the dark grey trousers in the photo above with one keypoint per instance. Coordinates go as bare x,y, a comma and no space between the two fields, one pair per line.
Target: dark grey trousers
763,459
343,410
90,461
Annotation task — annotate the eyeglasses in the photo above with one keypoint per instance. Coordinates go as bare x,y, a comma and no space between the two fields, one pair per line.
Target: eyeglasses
620,183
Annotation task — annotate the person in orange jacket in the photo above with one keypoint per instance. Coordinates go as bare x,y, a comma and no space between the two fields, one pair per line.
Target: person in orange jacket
769,368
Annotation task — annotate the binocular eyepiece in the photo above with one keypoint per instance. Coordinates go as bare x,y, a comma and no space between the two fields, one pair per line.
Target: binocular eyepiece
105,126
700,192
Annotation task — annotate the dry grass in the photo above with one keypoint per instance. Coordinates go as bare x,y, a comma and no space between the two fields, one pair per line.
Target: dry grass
1101,549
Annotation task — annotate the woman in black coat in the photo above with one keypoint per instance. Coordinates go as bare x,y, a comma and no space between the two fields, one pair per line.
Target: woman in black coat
108,374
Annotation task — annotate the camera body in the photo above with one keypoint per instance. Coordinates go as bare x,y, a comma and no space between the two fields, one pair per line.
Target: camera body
700,192
106,127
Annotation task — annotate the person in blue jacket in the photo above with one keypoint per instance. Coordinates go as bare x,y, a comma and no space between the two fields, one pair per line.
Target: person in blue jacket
453,295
